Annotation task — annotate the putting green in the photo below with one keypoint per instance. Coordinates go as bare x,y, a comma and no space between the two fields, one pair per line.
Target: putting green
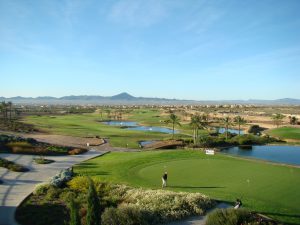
267,188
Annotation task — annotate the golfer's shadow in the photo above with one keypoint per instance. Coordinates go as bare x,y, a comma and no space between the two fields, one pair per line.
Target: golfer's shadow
195,187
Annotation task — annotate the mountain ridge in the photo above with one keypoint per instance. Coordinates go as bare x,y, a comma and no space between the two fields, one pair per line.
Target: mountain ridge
125,98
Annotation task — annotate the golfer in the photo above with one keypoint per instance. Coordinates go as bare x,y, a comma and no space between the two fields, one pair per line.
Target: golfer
164,179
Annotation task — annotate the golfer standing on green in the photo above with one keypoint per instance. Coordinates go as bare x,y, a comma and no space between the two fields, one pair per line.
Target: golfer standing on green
164,179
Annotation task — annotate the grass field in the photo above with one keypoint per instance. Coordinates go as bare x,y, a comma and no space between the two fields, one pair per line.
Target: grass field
286,133
267,188
83,125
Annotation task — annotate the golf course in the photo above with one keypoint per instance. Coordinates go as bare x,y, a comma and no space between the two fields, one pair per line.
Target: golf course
286,133
221,177
90,124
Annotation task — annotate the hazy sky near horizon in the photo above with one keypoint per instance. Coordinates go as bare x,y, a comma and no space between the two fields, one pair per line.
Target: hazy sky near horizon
185,49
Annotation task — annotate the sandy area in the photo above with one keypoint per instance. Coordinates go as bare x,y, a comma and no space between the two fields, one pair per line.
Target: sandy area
79,142
65,140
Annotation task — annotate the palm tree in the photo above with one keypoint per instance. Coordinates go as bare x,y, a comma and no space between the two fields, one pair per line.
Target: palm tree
277,118
198,122
9,104
195,125
4,110
108,114
226,122
174,120
239,121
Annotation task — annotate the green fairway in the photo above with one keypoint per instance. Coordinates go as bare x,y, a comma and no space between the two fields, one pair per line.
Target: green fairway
286,133
267,188
83,125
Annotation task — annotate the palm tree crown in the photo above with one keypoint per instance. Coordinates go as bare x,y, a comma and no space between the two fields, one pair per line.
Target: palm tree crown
175,120
239,121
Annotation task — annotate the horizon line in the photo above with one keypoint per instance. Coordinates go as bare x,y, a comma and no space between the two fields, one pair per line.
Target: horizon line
208,100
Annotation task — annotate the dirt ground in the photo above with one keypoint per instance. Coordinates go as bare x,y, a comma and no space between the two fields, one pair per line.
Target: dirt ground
62,140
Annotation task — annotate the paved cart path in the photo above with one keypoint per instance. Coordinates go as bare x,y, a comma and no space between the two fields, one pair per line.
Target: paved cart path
17,186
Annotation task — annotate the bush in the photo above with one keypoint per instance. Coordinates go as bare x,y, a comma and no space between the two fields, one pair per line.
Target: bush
164,205
94,209
77,151
21,146
229,217
250,139
255,129
74,213
124,215
42,160
61,178
52,193
12,166
58,149
211,141
41,189
81,184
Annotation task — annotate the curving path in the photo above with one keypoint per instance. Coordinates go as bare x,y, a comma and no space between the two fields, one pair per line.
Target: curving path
17,186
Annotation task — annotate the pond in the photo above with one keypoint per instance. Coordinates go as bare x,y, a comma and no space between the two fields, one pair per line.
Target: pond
274,153
131,125
121,123
233,131
153,129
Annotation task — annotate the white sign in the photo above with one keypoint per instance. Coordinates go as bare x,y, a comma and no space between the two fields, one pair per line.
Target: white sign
209,152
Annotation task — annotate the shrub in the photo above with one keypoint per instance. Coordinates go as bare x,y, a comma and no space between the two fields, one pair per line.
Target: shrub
164,205
41,189
61,178
255,129
124,215
52,193
74,213
211,141
229,217
77,151
21,146
42,160
93,206
58,149
12,166
81,184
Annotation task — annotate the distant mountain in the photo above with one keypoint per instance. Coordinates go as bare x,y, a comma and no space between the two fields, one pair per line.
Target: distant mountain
123,96
127,99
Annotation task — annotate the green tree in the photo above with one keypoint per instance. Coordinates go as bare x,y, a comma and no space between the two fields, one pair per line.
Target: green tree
108,114
198,122
4,110
74,214
174,120
93,216
9,105
293,120
226,122
277,119
239,121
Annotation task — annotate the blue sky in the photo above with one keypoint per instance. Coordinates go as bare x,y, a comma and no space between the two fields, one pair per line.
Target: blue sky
186,49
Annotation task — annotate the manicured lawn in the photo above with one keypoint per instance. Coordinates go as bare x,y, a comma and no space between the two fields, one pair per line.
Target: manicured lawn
89,125
286,133
270,189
